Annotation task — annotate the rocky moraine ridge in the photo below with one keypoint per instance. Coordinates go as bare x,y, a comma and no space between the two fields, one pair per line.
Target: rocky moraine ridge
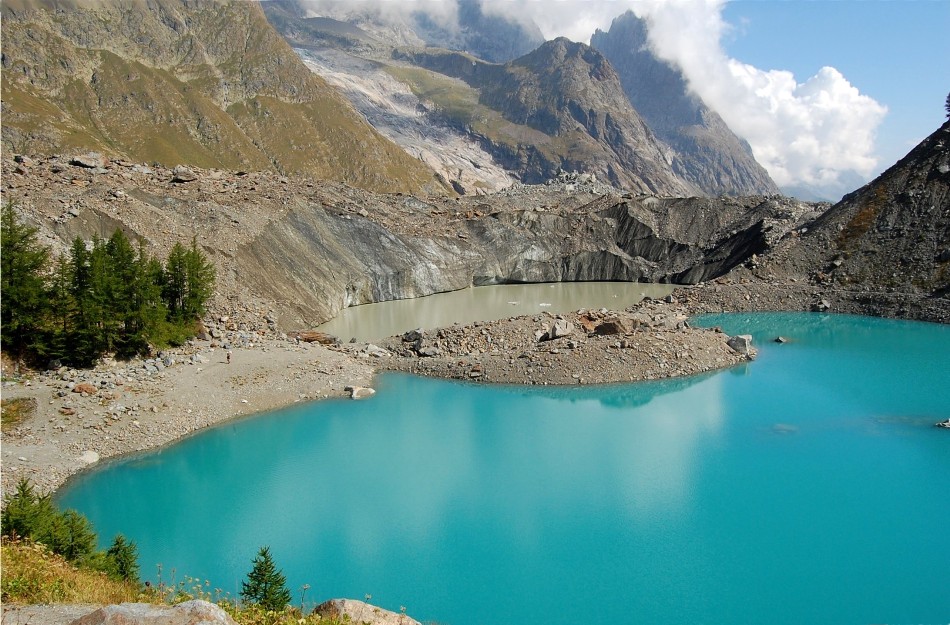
311,248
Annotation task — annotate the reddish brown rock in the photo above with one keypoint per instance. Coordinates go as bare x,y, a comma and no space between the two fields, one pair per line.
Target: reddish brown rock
85,387
610,327
316,337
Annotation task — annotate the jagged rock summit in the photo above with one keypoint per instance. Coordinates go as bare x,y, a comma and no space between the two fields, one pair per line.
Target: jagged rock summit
562,107
705,152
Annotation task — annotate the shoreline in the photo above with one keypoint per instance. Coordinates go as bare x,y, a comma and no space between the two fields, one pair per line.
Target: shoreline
146,404
70,432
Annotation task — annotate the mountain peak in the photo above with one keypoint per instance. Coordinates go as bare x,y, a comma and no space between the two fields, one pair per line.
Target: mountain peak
705,151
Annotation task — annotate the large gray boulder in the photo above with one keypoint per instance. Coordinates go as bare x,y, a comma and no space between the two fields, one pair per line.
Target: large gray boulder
359,612
742,344
560,328
195,612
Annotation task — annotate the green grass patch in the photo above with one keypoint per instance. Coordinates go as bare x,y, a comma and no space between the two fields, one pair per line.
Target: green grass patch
455,100
15,411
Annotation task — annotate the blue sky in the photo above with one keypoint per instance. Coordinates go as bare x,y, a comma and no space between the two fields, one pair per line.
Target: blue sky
896,51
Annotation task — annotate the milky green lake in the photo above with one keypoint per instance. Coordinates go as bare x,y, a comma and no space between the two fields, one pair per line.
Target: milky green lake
808,486
371,322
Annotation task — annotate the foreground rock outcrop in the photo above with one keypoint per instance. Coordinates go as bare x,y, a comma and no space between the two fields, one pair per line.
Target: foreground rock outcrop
356,611
196,612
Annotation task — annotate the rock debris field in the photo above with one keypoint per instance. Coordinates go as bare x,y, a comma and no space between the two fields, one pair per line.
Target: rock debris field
649,342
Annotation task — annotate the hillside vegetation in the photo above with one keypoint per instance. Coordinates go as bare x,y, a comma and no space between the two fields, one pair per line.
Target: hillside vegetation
208,84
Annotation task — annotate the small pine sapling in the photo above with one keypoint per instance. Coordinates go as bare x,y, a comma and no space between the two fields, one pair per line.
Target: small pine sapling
265,585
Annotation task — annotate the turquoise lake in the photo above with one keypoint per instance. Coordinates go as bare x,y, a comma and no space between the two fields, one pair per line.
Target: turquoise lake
808,486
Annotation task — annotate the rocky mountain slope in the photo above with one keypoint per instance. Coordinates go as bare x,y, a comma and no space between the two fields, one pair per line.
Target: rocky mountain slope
705,151
560,107
409,119
893,234
320,246
204,83
309,248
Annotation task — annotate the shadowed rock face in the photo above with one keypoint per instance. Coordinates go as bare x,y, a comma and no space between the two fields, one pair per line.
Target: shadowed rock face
706,152
318,261
893,234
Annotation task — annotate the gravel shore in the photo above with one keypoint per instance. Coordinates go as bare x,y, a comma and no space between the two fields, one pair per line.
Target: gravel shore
83,417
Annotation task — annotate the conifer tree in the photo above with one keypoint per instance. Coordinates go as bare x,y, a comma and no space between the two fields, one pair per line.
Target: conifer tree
201,275
265,585
189,282
22,261
123,559
71,535
176,281
123,284
84,334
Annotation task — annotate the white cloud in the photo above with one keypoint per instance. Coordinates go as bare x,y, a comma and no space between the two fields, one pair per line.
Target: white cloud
807,133
575,19
813,133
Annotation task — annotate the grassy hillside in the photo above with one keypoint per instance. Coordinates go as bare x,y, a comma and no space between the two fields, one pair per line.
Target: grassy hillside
34,575
209,84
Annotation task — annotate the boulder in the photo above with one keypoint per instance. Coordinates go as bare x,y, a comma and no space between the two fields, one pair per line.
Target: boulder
587,322
85,387
89,457
943,424
359,392
413,335
351,610
182,174
610,327
429,352
194,612
376,352
559,329
90,160
741,344
316,337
